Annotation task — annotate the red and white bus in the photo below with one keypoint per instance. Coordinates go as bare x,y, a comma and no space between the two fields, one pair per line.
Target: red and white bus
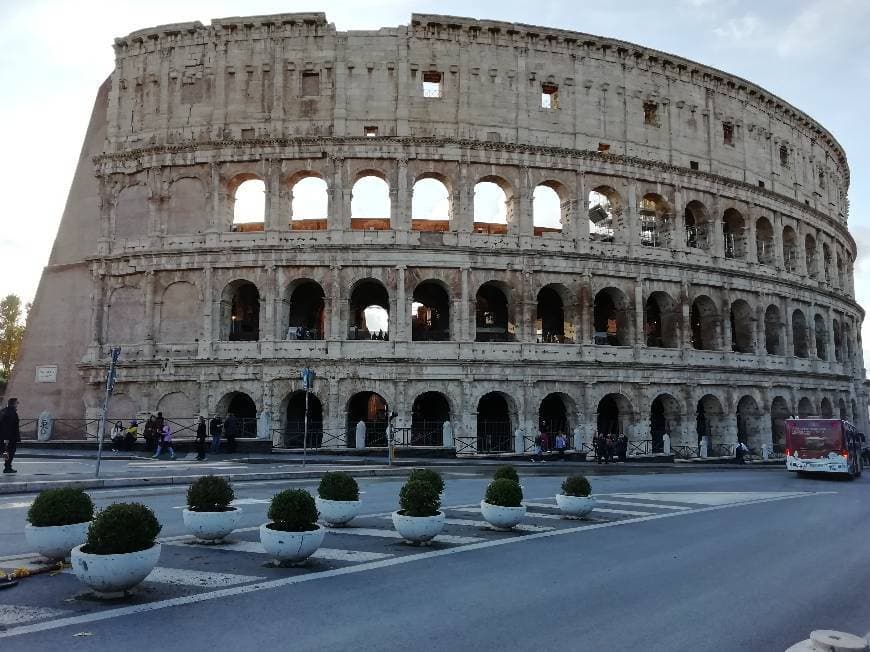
822,446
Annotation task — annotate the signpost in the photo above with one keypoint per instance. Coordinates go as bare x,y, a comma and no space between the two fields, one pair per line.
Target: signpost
110,385
307,381
390,431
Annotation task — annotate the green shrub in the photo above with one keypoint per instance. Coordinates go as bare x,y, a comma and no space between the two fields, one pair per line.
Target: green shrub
504,493
122,528
336,485
508,472
60,507
576,485
210,493
293,510
419,498
428,475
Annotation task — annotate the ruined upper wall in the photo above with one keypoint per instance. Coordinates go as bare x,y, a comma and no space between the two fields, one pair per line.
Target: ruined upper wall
290,75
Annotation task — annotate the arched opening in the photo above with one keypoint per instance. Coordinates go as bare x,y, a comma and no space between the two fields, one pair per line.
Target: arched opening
371,409
249,204
821,332
430,205
550,319
842,411
613,415
304,310
428,414
733,226
805,408
243,408
838,341
660,320
841,273
604,210
664,418
370,203
492,205
547,209
309,206
697,226
779,412
369,311
494,427
772,328
764,241
749,423
826,262
711,423
430,313
810,256
612,318
554,417
240,312
789,249
294,427
742,328
656,221
492,314
704,320
799,334
826,410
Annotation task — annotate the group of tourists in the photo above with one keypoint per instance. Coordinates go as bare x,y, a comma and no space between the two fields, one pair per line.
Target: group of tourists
543,444
608,445
158,435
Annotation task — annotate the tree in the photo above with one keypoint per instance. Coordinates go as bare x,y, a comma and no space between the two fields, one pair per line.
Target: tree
11,332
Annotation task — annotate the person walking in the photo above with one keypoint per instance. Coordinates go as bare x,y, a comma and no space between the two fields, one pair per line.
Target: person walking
538,455
596,447
739,452
150,432
200,439
622,448
216,427
10,434
231,430
607,447
165,441
561,445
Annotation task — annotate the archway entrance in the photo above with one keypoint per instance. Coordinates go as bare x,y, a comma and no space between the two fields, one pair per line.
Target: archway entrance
553,419
494,432
245,410
664,418
294,428
779,412
430,313
428,415
371,409
305,312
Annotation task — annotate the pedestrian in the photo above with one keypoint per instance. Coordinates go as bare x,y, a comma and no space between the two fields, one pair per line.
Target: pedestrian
164,442
607,447
215,428
117,436
200,439
596,447
622,448
740,452
561,445
231,430
149,432
545,439
10,434
538,455
130,435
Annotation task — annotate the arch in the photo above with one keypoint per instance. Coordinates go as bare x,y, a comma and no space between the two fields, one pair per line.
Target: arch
126,316
180,314
493,202
548,207
304,310
821,333
431,208
764,247
841,272
789,249
614,414
665,417
656,221
733,227
294,420
554,416
309,202
810,256
370,408
370,206
551,323
838,340
605,208
249,203
495,419
240,312
806,408
369,311
772,331
243,408
749,422
188,207
661,318
430,312
826,410
697,223
493,313
611,318
428,414
742,327
779,412
842,410
705,323
177,406
710,421
799,334
132,212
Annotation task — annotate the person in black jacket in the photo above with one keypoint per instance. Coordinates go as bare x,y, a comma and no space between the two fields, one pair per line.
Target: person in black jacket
200,439
231,431
10,434
216,427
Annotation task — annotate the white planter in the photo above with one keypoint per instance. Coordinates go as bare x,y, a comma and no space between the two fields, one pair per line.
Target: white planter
291,547
337,512
56,541
112,576
418,529
502,518
575,506
211,527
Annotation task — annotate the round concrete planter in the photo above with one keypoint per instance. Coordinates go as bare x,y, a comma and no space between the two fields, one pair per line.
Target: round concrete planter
211,527
575,506
56,541
502,518
291,547
112,576
337,512
418,529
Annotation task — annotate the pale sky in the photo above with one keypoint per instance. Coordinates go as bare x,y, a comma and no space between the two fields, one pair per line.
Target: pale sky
54,54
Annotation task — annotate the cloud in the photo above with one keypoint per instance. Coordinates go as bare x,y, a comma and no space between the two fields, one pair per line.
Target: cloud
824,27
740,29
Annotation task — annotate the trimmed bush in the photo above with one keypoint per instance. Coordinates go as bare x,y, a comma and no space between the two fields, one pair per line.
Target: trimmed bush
504,493
576,485
335,485
507,472
293,510
122,528
210,493
428,475
60,507
419,498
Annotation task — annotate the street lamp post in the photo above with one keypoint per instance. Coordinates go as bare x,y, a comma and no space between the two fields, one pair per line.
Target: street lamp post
307,381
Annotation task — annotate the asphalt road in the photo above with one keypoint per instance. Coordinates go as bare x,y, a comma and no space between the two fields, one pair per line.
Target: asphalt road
720,560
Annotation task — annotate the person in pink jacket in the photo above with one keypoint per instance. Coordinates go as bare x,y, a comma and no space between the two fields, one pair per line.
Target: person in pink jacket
165,440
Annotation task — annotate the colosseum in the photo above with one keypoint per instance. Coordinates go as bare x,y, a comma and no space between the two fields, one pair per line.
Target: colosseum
625,241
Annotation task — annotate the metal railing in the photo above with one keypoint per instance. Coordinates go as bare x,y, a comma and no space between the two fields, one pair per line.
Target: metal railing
686,452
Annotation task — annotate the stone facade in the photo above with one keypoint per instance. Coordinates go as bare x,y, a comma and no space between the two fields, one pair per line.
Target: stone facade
700,283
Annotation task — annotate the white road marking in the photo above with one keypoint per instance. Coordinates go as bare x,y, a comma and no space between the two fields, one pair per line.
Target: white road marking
180,577
13,614
522,527
534,515
19,505
713,497
628,504
332,554
349,570
392,534
624,512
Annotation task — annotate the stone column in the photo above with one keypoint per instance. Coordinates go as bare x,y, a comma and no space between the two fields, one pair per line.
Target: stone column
788,342
587,304
581,214
467,330
717,244
678,241
273,217
639,338
97,302
336,418
725,312
779,252
400,201
148,349
402,309
206,342
335,326
339,200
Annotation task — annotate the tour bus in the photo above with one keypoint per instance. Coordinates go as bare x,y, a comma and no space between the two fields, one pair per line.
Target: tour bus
822,446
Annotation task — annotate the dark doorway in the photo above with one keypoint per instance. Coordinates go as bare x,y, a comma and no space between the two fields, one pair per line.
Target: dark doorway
492,315
305,319
553,419
494,425
370,408
245,410
428,415
430,316
294,430
245,314
608,416
551,317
